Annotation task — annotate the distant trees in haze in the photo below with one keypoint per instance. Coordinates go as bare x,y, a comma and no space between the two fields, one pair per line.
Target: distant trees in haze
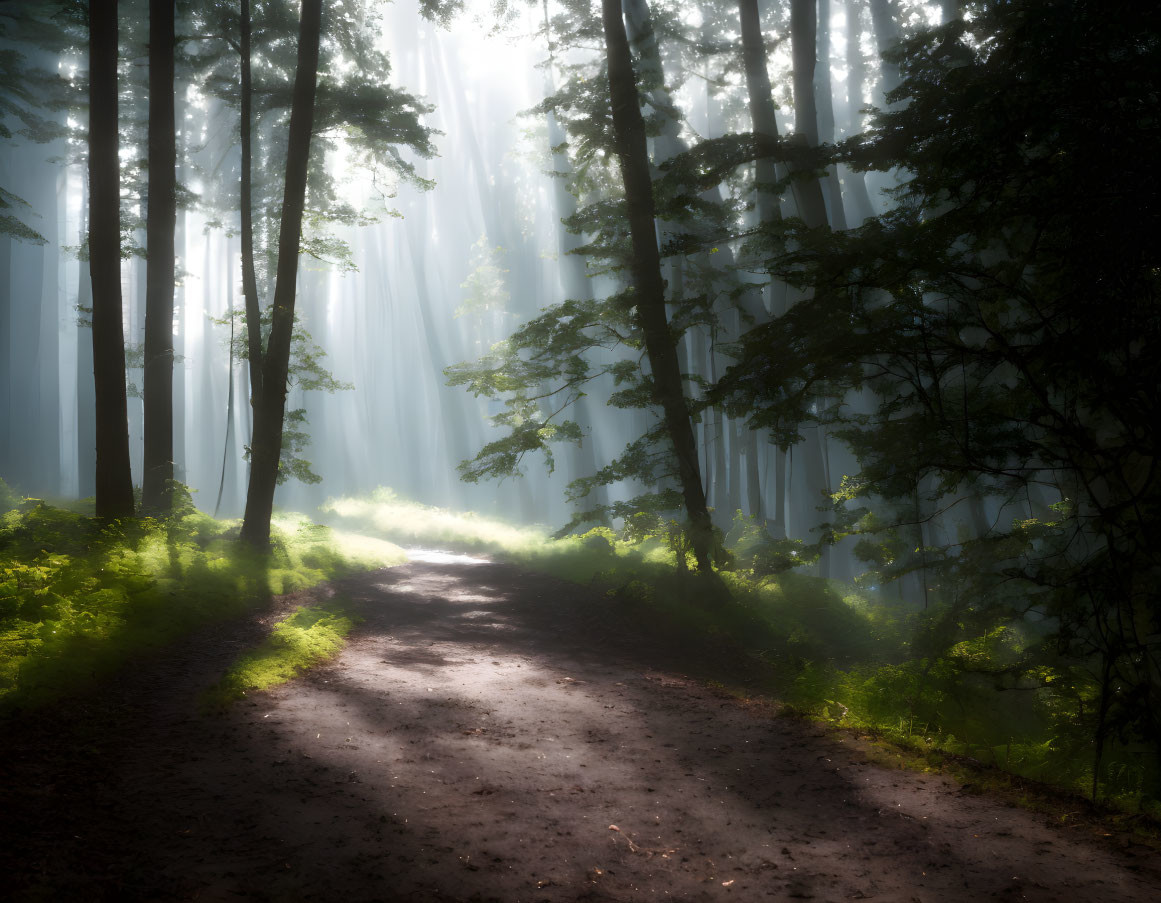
979,358
149,188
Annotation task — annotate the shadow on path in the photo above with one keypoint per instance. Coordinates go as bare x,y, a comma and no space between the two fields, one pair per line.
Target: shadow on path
487,735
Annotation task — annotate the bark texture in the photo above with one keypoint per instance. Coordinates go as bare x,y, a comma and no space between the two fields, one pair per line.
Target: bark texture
114,481
629,130
161,220
803,35
269,413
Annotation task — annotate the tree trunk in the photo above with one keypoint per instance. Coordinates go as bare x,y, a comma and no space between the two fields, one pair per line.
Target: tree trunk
86,419
887,35
629,130
161,220
270,412
764,122
762,111
812,209
824,102
114,480
855,181
249,279
180,303
804,34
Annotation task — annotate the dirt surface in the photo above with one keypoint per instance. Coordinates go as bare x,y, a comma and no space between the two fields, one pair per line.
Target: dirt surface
485,737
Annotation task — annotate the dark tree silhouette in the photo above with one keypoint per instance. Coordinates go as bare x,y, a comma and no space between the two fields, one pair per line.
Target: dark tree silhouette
649,289
157,472
114,482
270,409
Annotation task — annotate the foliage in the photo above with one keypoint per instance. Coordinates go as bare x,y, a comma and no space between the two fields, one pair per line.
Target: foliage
79,597
360,119
32,99
591,343
990,346
308,372
312,634
759,553
485,290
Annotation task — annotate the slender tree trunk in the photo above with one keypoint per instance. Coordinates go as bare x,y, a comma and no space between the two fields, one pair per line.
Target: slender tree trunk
180,306
629,129
7,372
114,480
825,104
804,34
812,209
762,110
249,279
229,406
764,122
887,35
855,181
270,413
86,419
161,220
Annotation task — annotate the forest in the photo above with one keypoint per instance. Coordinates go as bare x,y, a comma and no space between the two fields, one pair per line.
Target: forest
715,438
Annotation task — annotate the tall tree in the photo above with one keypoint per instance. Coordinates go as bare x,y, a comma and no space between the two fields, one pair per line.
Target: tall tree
764,122
804,34
114,481
270,412
1010,335
249,278
824,102
649,289
161,223
761,100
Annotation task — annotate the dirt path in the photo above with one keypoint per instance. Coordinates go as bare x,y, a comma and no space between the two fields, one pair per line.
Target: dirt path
481,739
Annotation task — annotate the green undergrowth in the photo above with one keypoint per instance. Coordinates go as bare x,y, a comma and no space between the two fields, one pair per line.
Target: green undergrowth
848,655
80,597
310,635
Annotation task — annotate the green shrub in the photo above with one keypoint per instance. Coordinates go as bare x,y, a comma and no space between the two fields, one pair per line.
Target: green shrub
310,635
79,597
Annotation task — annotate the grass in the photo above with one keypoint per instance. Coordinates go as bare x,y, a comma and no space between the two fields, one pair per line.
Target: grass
79,597
310,635
841,654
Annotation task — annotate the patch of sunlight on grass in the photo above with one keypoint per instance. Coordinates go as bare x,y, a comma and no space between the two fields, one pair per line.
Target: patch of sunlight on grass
79,597
597,555
411,523
307,637
369,551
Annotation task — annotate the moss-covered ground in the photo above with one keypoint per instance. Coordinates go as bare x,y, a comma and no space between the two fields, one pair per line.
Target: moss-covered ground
308,636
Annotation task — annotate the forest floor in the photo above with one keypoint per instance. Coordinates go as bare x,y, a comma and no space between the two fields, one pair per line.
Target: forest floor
490,734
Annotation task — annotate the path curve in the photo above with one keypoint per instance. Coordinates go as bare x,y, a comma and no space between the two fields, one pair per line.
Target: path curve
484,737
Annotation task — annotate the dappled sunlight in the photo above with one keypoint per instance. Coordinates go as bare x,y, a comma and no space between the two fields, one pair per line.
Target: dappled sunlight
463,762
658,445
437,556
400,520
